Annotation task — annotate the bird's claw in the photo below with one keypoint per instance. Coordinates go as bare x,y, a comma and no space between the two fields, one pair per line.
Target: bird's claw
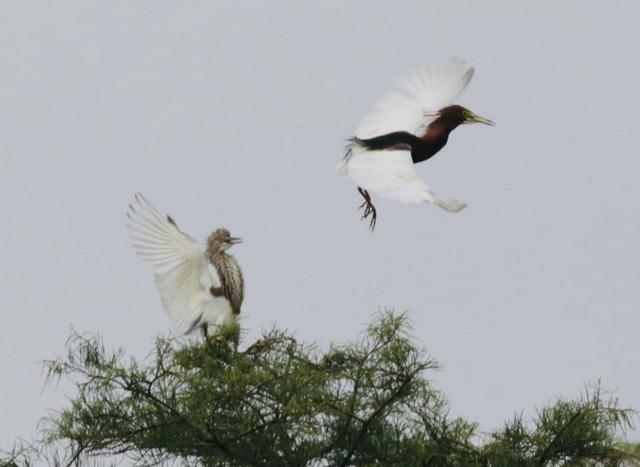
369,209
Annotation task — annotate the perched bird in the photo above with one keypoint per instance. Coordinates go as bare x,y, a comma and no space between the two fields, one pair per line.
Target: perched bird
201,286
407,126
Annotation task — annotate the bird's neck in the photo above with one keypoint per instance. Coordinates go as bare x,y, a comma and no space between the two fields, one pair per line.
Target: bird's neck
439,129
433,139
216,256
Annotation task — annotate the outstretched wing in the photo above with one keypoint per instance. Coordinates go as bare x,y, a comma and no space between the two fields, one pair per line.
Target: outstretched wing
429,89
178,262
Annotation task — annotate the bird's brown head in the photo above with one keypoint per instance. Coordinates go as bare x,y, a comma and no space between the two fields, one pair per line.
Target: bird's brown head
455,115
221,240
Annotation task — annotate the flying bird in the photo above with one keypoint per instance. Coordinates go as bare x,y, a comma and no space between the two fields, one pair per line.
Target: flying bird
201,285
407,126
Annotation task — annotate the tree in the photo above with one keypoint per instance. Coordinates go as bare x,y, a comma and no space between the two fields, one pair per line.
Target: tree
280,402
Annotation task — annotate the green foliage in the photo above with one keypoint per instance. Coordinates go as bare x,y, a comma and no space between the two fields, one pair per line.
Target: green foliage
280,402
567,433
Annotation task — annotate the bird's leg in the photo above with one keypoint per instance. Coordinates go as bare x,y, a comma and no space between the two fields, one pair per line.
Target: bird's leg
209,341
235,341
205,336
369,208
208,338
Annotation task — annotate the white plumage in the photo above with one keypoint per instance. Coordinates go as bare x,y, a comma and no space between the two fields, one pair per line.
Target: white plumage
391,173
183,273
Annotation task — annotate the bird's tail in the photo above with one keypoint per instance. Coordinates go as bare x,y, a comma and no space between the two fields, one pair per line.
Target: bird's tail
341,167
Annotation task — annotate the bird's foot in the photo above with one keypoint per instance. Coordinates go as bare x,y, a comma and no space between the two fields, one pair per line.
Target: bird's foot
369,208
371,211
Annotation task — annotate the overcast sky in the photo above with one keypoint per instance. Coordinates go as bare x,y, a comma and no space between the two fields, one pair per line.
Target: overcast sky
234,114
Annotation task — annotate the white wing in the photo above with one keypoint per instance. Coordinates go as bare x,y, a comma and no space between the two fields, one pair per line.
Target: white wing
392,175
431,88
178,261
416,191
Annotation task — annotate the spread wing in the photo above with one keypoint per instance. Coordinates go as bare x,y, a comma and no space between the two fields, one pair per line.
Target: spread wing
429,89
178,261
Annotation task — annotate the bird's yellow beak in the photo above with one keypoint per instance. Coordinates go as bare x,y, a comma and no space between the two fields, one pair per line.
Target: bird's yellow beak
234,240
470,117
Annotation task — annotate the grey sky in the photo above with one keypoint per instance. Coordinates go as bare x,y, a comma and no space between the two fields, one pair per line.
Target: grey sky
234,114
